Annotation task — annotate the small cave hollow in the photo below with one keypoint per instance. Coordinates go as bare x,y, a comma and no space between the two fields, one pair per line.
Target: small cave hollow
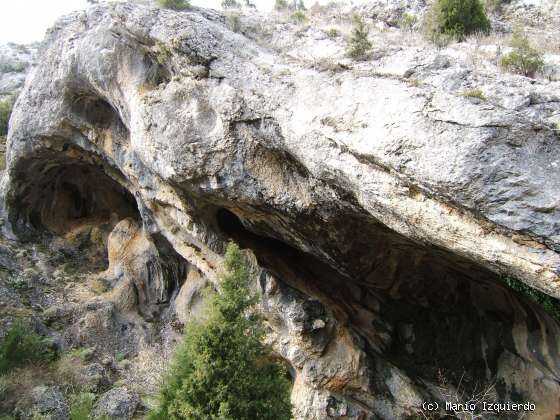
70,206
95,110
88,109
73,195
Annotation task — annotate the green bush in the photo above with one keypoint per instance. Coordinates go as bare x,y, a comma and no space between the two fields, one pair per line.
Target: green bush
548,303
455,19
474,93
12,67
233,22
21,346
5,112
523,59
333,33
408,22
230,4
174,4
299,17
358,45
222,371
81,406
280,5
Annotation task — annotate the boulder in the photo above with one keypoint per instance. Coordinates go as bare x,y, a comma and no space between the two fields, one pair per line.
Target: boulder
118,403
50,402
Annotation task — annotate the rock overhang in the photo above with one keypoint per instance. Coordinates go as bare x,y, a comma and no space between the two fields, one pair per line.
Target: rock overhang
212,143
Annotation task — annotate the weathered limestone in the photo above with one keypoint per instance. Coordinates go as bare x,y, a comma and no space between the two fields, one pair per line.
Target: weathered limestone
382,213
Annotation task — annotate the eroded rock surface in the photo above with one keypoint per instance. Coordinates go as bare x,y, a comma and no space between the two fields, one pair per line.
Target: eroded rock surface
15,62
381,211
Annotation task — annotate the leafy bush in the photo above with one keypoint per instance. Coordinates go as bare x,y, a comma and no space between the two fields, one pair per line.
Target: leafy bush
12,67
174,4
69,368
299,17
222,370
455,19
21,346
280,5
230,4
548,303
523,59
5,112
358,44
474,93
81,406
233,22
408,22
333,33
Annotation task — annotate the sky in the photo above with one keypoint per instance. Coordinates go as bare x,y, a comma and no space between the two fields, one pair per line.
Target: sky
25,21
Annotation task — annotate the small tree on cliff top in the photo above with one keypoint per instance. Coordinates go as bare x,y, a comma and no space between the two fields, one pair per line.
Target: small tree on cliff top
455,19
222,371
174,4
359,45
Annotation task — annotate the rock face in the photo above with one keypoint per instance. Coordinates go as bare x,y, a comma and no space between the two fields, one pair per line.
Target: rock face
49,402
382,211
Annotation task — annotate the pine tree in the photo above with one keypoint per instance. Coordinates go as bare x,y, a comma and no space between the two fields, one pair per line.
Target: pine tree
359,45
222,371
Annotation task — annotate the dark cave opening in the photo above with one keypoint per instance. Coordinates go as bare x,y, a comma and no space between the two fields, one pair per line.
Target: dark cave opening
282,259
70,207
421,308
70,195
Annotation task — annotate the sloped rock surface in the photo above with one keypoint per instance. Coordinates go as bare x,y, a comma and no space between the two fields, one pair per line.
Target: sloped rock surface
382,212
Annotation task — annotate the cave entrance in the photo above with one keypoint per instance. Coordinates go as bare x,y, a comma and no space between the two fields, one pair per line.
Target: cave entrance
73,196
71,207
427,311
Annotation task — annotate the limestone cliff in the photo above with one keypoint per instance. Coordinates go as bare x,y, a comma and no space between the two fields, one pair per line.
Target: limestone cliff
382,206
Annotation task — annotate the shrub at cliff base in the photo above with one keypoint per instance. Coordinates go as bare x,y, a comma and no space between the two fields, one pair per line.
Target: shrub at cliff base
21,346
455,19
222,371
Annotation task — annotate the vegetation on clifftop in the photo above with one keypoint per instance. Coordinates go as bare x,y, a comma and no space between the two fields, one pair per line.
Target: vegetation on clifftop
523,59
174,4
359,45
455,19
